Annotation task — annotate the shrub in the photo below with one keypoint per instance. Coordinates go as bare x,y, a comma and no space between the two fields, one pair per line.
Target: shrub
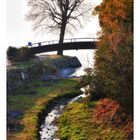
113,74
109,112
12,53
105,110
88,82
21,54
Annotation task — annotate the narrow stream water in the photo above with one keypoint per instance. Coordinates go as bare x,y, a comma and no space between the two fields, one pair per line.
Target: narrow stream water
48,128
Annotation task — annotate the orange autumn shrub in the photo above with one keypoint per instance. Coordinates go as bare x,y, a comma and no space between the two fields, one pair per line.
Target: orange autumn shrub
105,110
109,112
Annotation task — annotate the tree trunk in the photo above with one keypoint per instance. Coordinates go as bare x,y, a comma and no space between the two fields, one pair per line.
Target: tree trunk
61,39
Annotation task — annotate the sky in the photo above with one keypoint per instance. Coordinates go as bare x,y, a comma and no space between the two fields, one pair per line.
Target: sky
19,31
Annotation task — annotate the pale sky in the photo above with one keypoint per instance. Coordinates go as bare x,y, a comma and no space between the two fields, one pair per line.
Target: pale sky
19,31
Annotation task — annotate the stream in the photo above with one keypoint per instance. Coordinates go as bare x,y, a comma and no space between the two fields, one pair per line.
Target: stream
48,128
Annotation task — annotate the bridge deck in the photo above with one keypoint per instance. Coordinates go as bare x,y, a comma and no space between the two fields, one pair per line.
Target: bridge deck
69,44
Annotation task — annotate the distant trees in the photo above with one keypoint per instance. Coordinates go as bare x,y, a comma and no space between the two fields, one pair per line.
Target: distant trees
56,15
113,69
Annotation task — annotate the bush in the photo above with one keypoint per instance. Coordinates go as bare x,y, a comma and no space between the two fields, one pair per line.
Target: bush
114,58
21,54
114,74
88,82
107,112
12,53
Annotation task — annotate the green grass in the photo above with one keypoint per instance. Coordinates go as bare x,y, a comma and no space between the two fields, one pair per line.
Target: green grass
32,104
76,124
71,122
24,64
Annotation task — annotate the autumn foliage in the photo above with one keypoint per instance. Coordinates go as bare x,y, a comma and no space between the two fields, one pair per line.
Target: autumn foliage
105,110
113,73
108,112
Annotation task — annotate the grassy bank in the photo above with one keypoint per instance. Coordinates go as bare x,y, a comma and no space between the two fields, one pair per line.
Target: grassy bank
30,101
77,123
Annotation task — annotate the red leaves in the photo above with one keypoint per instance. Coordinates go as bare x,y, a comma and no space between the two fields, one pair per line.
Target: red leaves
109,112
105,110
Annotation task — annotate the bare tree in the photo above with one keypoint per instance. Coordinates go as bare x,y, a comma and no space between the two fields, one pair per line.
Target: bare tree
56,14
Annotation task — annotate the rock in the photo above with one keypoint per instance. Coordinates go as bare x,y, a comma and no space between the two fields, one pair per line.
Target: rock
74,62
52,70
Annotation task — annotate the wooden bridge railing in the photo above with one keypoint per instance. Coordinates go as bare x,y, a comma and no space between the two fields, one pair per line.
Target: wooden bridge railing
69,40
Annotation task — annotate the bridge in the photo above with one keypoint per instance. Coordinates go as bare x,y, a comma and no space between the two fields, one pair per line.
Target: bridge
68,44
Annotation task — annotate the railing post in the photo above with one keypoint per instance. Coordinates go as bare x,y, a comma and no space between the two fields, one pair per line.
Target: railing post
39,44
